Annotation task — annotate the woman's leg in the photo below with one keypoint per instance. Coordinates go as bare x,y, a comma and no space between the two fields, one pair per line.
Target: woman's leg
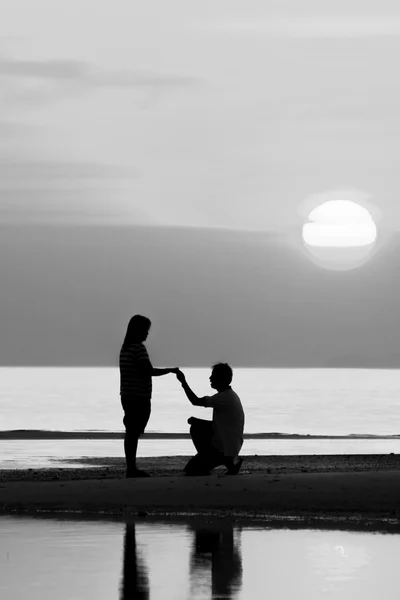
130,447
135,424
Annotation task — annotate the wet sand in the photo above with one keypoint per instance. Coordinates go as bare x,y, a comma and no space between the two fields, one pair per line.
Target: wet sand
351,486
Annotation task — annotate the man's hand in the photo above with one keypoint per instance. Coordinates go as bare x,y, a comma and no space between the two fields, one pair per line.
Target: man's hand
180,376
188,391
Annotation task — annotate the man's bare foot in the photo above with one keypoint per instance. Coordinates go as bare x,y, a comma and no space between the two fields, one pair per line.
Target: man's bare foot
220,471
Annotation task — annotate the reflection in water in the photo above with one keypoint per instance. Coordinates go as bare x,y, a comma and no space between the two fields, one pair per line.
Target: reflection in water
215,550
135,582
215,565
41,558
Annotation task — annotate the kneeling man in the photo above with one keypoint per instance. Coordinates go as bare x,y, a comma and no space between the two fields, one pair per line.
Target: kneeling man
218,442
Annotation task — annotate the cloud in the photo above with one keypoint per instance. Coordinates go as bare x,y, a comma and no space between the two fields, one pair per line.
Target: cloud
53,69
34,191
45,171
34,83
13,129
35,185
87,74
317,27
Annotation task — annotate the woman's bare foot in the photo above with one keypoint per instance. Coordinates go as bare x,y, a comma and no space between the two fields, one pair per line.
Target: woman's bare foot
136,473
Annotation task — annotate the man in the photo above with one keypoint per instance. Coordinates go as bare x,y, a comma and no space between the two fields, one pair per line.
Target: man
218,442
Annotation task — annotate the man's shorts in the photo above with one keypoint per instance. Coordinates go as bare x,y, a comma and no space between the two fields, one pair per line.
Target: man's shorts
207,456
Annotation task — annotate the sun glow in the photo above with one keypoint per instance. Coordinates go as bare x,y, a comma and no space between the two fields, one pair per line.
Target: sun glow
340,234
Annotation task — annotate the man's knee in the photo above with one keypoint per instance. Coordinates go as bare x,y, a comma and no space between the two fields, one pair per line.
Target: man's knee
196,432
196,437
200,427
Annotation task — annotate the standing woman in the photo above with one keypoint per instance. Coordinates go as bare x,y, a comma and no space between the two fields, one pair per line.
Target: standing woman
136,372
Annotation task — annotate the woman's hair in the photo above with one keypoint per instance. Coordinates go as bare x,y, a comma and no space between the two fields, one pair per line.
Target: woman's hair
137,330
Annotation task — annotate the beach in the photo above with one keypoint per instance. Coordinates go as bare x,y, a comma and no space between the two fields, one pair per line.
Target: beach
332,486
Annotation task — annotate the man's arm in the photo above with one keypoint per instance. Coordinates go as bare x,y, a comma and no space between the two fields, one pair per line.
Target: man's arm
195,400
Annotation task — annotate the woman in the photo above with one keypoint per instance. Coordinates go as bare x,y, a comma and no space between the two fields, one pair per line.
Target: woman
136,372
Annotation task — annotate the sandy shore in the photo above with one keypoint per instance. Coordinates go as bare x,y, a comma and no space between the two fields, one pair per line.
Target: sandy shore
353,486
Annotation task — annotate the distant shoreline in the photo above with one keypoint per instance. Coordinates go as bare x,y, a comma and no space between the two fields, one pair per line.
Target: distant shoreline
37,434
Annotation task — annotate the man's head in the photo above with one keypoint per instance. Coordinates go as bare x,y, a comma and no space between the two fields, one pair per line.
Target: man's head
221,376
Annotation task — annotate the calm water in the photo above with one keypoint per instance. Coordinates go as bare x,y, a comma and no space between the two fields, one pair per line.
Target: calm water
314,401
303,401
43,559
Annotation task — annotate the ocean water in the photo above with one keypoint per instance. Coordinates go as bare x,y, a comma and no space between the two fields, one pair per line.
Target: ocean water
302,401
70,558
331,402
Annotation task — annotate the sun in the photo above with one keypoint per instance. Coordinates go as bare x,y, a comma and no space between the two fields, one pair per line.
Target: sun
340,234
339,224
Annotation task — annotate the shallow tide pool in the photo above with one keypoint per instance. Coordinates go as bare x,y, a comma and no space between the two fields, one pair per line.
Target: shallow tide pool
79,559
36,454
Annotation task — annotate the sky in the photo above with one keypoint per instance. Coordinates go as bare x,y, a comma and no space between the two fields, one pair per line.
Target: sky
167,117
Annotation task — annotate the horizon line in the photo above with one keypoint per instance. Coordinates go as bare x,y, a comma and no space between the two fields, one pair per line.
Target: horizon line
46,434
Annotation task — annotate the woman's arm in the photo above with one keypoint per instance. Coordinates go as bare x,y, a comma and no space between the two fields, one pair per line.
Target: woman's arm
157,372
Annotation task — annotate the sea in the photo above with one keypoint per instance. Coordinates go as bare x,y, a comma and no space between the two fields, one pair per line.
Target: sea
288,411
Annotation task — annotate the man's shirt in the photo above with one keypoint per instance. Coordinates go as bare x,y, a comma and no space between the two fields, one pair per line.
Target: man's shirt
228,421
133,380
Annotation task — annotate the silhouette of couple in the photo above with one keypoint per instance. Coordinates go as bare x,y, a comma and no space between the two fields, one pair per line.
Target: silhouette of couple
218,442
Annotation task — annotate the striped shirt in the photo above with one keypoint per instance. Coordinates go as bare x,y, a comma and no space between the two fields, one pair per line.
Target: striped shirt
132,379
